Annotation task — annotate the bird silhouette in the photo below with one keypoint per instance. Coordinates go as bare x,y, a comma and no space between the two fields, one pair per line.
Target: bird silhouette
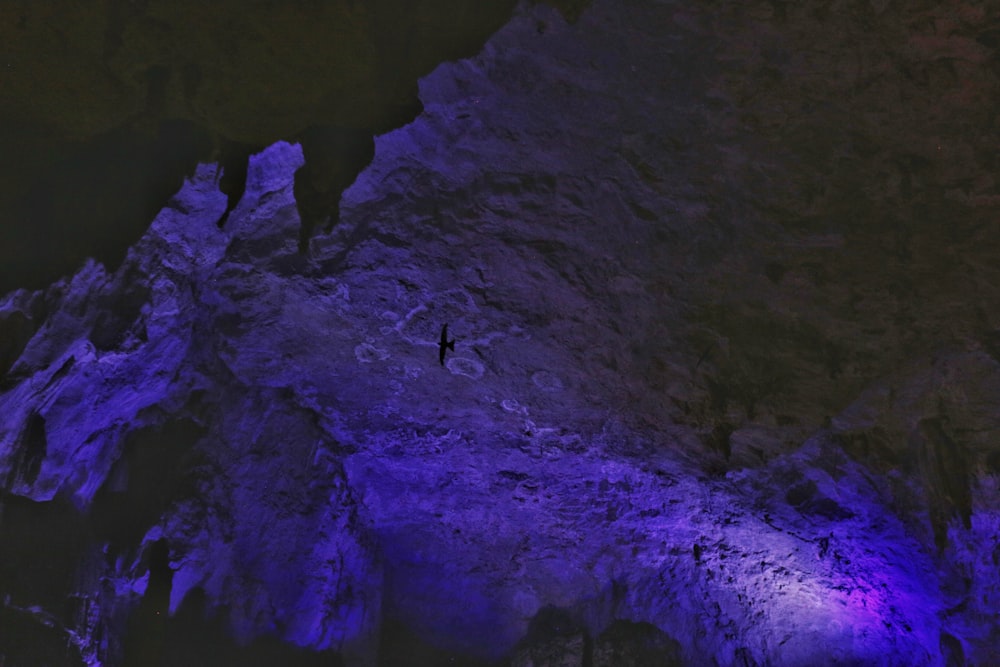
444,344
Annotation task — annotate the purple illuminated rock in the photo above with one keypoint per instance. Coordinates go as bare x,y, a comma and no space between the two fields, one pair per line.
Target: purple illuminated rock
689,418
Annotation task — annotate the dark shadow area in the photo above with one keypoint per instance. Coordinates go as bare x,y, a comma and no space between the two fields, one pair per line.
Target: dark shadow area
41,544
95,201
30,450
952,653
145,639
120,314
26,640
400,646
872,447
146,479
193,637
942,464
16,329
628,644
234,158
555,636
334,156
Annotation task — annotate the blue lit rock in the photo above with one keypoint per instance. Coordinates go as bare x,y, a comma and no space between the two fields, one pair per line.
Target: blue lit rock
649,444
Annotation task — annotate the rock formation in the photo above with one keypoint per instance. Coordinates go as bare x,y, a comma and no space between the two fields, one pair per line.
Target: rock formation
724,389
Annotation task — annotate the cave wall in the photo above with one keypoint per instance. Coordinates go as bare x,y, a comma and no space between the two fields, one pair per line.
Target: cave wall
723,390
108,105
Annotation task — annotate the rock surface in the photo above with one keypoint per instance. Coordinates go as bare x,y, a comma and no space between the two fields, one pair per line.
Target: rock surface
724,388
108,106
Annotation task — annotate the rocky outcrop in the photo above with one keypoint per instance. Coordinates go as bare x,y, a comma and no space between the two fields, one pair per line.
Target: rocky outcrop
108,107
702,407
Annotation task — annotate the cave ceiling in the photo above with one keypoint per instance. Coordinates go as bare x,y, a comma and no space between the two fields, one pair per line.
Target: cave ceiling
722,281
108,105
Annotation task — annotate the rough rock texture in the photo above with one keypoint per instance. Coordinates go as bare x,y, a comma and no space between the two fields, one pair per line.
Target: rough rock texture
108,105
724,388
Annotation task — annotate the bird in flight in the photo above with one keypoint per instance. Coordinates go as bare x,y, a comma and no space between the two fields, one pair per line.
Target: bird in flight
445,344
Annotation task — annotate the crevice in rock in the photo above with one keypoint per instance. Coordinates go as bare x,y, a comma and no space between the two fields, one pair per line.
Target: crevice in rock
334,156
234,158
145,640
120,314
807,499
31,446
952,653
